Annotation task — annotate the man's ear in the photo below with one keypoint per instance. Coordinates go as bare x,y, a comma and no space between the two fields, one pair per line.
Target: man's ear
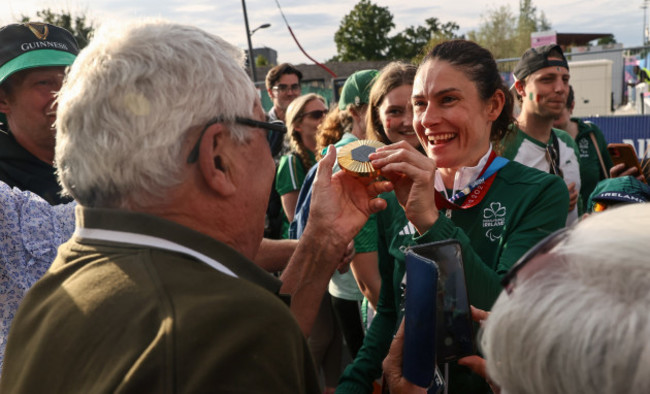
520,88
4,102
212,161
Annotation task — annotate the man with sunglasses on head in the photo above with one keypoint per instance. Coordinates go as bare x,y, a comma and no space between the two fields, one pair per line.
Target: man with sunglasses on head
542,86
156,290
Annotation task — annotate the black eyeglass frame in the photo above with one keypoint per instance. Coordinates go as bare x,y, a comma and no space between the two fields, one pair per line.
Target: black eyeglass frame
276,126
285,88
310,114
544,246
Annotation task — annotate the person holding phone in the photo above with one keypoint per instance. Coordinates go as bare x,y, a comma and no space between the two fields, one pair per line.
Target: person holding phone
625,162
497,209
578,303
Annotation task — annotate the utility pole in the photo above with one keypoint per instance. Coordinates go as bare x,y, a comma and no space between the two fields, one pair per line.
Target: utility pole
645,31
251,60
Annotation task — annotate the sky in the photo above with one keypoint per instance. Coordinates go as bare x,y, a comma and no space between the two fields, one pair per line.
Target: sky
314,22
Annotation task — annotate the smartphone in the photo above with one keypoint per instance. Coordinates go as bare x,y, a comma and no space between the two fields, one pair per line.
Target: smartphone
625,153
438,326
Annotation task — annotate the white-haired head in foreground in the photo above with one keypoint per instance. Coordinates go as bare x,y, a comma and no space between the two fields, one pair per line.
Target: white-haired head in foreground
580,324
133,99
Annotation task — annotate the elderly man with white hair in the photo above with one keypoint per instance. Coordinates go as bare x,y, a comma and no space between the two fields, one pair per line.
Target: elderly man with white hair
574,316
161,141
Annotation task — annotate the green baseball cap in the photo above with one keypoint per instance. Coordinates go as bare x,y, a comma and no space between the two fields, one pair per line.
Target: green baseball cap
356,88
34,44
626,190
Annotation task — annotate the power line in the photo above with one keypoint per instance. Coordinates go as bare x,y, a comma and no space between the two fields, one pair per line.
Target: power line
300,46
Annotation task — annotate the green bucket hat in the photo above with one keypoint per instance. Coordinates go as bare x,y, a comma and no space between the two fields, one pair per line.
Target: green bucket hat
356,88
34,44
626,190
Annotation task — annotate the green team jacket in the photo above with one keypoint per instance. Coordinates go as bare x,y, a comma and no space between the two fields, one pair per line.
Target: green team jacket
590,169
522,206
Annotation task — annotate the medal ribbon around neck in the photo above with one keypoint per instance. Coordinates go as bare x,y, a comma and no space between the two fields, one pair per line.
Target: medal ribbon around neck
476,190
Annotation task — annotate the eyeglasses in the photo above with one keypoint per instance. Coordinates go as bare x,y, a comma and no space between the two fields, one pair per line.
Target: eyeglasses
274,127
315,115
284,88
544,246
554,159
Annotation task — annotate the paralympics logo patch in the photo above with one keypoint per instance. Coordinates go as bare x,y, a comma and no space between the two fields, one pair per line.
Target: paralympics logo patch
494,219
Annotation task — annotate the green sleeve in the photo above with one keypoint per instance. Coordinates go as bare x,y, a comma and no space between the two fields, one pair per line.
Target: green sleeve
366,367
290,175
366,239
539,220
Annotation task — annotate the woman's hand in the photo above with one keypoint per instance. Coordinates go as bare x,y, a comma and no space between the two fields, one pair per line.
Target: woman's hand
412,175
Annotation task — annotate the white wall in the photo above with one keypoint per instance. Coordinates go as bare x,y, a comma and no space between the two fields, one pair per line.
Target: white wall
592,85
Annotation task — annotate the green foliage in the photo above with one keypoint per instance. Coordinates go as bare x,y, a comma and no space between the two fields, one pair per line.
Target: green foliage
79,26
261,61
607,40
363,33
413,42
507,35
497,32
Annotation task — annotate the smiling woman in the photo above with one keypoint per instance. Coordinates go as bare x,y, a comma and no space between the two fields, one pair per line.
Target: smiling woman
461,189
390,113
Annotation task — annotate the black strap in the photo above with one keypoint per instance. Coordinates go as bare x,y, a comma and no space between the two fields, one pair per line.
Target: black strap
554,168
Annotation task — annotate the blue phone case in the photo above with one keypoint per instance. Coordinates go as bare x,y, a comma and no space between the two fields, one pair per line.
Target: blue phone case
438,325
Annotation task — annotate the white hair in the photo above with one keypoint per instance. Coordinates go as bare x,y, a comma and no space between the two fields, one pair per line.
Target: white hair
131,102
580,325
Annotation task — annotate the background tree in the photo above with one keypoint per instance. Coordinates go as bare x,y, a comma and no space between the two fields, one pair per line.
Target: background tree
412,43
496,32
261,61
80,27
507,35
363,33
528,22
607,40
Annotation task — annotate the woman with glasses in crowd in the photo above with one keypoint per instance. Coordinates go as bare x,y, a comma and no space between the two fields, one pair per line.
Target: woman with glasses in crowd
496,209
304,115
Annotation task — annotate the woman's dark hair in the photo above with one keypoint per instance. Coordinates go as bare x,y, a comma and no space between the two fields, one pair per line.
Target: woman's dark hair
478,64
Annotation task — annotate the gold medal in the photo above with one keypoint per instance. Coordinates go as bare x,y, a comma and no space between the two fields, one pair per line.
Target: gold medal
353,158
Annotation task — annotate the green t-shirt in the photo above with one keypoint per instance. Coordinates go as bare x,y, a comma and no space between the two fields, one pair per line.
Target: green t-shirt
522,206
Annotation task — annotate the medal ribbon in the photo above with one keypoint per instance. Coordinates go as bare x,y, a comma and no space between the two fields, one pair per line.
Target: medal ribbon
476,190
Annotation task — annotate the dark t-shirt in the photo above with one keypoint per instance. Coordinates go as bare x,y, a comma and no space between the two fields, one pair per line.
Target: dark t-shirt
21,169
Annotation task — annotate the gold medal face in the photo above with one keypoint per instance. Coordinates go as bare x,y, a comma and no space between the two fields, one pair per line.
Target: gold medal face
353,158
